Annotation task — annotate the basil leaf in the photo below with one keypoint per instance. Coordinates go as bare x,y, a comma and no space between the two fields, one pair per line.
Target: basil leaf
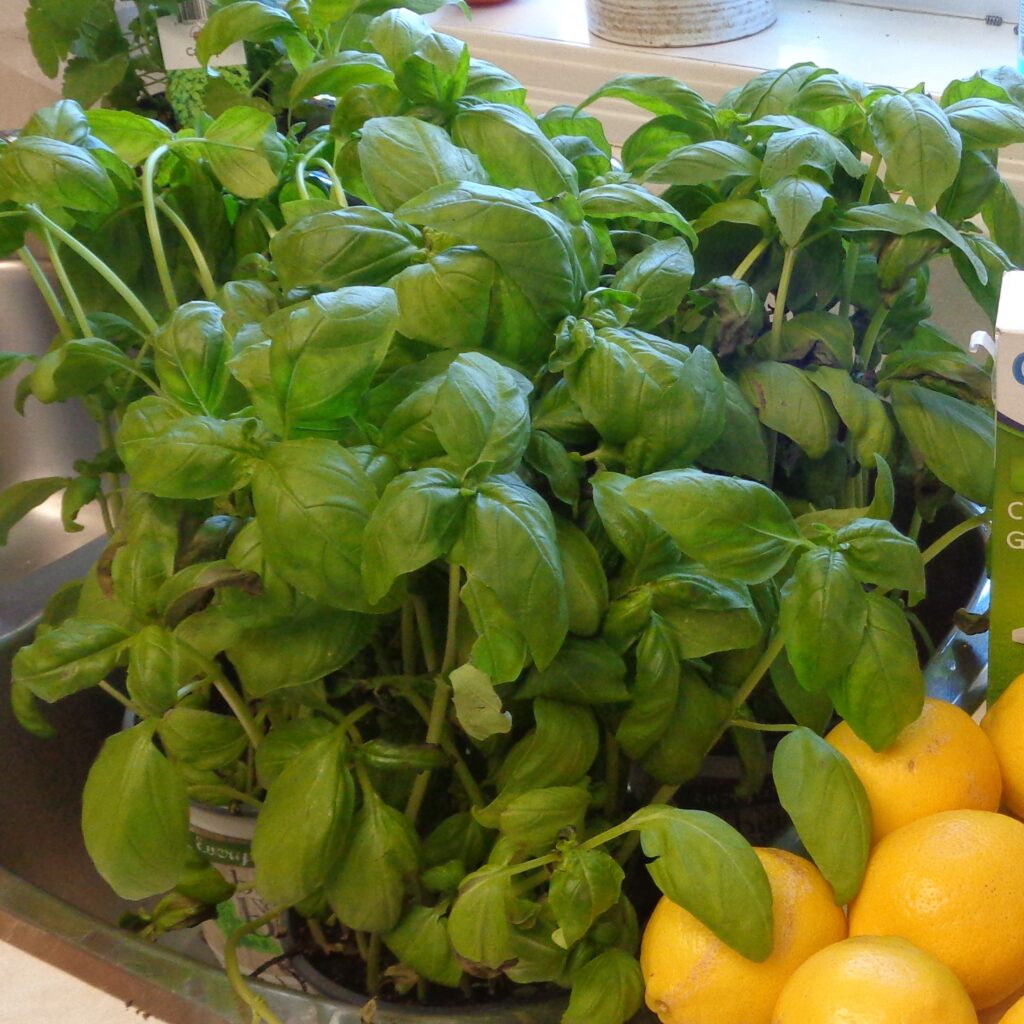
481,415
419,516
369,883
202,739
737,528
787,401
337,74
954,439
606,990
131,136
499,650
513,150
477,706
740,449
34,169
813,710
884,689
822,616
615,201
920,148
660,95
508,542
28,712
73,656
18,500
586,585
660,275
655,692
255,21
704,162
822,794
157,667
176,456
878,553
863,413
582,672
709,869
245,151
335,248
284,743
478,924
313,501
585,884
794,201
75,368
534,820
421,941
303,826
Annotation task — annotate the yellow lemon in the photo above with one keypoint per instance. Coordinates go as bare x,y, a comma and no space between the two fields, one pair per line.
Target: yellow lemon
873,980
692,977
953,884
940,762
1015,1014
1004,726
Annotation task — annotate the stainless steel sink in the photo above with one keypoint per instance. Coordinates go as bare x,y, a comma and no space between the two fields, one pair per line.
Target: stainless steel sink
52,903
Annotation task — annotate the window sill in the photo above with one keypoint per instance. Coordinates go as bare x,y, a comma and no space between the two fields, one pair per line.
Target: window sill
546,44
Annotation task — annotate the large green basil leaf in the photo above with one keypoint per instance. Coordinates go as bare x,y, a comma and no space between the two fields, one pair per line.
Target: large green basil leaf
325,351
437,72
421,942
863,413
245,151
954,439
704,162
513,150
822,617
202,739
691,728
920,148
75,368
35,169
787,401
146,561
478,924
661,95
606,990
655,692
828,804
446,300
805,331
878,553
191,353
334,248
303,827
158,666
419,517
284,743
19,499
740,449
586,585
585,884
795,146
794,201
709,869
499,650
255,21
660,275
813,710
583,672
368,886
558,752
621,200
177,456
73,656
337,74
302,648
533,247
135,815
313,500
534,820
404,156
737,528
508,542
131,136
481,415
477,705
884,690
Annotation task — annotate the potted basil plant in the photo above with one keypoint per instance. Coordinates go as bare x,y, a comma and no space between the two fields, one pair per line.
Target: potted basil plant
442,523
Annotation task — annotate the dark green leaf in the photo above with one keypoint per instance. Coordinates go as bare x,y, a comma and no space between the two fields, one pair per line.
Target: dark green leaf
741,448
793,202
655,692
499,650
813,710
788,401
606,990
190,354
534,820
704,162
583,672
586,585
828,805
585,884
985,123
75,368
660,275
617,201
863,413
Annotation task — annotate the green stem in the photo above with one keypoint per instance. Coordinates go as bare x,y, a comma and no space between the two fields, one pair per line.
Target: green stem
101,268
46,290
77,309
751,258
234,794
104,504
116,501
447,744
427,644
156,242
452,635
781,294
256,1003
867,346
743,723
337,190
373,964
300,168
206,280
234,700
119,697
408,638
853,253
958,531
916,521
435,727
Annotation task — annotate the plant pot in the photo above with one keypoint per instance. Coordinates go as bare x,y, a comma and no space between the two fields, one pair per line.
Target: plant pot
226,839
678,22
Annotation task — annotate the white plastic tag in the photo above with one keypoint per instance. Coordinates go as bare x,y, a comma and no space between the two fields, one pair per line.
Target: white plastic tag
178,38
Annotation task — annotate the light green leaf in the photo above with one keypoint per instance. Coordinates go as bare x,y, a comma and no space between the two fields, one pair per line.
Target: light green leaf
477,706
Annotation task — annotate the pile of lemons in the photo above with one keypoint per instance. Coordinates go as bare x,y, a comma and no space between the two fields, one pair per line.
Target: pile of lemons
936,933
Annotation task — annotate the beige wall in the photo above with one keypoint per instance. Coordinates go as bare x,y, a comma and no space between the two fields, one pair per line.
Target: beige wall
23,87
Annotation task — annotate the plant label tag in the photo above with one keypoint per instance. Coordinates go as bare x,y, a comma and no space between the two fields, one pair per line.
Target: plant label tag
178,38
1006,631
